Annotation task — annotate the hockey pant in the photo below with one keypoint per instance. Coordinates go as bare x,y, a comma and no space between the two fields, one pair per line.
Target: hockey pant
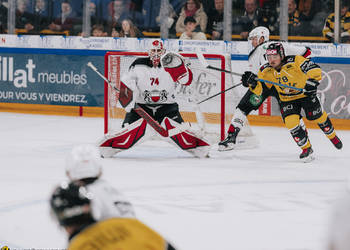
139,131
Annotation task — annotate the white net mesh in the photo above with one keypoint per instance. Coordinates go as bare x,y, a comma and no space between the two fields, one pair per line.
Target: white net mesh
211,117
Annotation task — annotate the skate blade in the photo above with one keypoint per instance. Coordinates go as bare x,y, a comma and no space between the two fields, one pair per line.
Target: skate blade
308,159
226,148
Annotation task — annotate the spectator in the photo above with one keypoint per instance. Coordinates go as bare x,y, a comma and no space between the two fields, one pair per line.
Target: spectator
192,8
129,29
269,16
24,19
41,15
250,18
208,5
295,27
216,20
94,17
312,16
115,32
98,30
151,11
192,30
328,29
66,20
3,17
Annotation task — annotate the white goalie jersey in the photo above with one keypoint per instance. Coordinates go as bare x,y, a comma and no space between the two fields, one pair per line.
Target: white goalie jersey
151,85
108,202
257,56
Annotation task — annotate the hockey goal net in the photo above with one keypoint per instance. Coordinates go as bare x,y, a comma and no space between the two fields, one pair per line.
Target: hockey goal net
211,117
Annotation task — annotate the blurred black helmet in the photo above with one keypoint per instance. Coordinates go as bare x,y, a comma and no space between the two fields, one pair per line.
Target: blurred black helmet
70,204
275,49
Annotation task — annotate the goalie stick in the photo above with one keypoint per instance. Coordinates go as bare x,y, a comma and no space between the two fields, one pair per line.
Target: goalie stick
206,65
141,112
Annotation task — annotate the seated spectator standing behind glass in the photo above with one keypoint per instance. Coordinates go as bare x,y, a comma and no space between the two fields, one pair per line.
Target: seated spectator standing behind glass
249,20
268,16
3,17
118,10
24,19
295,27
94,17
328,30
117,13
98,30
312,17
216,20
192,30
41,15
195,9
66,20
129,29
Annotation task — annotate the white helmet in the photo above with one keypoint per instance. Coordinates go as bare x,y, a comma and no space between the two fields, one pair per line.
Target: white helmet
258,32
83,162
156,51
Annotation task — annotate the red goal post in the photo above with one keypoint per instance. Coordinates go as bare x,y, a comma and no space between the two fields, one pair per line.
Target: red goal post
211,116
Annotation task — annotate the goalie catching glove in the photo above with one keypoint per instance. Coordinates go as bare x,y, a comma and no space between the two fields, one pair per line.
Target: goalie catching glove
175,65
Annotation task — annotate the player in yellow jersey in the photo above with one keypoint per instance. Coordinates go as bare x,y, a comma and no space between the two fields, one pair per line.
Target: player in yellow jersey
299,72
71,206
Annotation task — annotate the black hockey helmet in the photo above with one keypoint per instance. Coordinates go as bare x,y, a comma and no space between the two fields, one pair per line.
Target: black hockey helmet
275,49
70,204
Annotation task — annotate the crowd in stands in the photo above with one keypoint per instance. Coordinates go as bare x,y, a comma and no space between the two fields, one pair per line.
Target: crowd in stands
187,19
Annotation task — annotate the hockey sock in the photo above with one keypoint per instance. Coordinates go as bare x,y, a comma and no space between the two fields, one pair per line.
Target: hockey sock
297,131
300,137
326,126
239,119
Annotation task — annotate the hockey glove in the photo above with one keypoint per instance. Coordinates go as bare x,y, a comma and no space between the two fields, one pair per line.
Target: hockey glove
311,87
248,79
174,64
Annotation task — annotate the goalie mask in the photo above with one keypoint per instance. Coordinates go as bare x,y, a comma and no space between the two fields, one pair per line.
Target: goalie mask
70,205
156,51
83,162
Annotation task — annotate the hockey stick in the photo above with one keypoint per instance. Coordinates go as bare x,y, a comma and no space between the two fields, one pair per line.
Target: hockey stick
141,112
206,99
206,65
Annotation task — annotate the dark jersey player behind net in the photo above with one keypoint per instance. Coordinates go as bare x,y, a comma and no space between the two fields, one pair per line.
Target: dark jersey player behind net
259,39
151,81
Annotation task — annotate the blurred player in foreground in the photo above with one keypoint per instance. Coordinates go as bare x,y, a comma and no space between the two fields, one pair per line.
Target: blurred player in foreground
72,206
94,214
83,167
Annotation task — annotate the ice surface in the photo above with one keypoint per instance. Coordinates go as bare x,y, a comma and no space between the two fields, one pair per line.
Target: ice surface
257,199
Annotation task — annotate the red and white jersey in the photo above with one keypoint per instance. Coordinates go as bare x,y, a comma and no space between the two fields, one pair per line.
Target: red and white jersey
257,56
108,202
150,85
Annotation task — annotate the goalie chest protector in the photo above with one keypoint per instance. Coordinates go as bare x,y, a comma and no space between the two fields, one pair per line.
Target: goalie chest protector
151,85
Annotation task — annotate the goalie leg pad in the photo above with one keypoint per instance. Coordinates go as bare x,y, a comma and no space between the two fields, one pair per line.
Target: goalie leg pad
188,140
125,139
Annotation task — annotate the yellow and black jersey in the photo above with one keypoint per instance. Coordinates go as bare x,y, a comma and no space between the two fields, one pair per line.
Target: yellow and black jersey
118,233
294,72
328,29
